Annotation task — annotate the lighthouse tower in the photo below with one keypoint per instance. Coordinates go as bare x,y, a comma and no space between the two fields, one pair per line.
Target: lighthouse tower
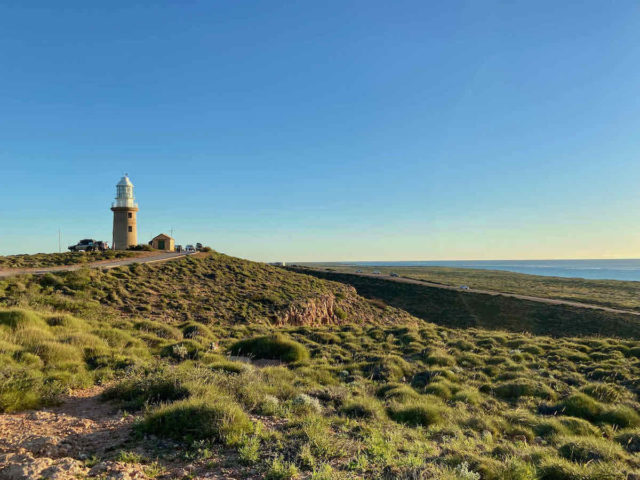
125,229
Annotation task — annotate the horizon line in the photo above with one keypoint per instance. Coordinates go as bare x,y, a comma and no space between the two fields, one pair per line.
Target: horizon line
472,260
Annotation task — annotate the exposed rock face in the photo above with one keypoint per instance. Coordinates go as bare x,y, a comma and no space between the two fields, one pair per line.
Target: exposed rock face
314,311
328,309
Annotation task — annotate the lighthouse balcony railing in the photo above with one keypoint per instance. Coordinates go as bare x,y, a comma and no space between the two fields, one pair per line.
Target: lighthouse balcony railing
124,203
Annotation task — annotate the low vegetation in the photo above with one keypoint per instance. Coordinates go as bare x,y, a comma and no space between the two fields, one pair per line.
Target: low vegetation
610,293
276,347
468,309
379,394
212,288
41,260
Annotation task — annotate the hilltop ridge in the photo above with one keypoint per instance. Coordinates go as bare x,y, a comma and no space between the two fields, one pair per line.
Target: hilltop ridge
213,288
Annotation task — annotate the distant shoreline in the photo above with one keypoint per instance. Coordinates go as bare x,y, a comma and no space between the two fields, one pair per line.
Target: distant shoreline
598,269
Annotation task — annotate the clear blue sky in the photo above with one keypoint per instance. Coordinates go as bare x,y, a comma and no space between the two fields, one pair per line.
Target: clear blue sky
333,130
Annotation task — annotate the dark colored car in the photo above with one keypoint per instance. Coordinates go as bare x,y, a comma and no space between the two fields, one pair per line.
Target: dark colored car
89,245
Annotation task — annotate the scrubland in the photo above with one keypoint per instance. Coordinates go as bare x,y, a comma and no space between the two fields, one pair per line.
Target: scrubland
42,260
610,293
290,376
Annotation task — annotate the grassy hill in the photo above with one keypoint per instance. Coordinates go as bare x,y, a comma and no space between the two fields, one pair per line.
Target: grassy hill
608,293
466,309
345,387
42,260
212,289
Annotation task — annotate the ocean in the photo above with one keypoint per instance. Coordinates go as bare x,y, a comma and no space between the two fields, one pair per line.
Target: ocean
625,269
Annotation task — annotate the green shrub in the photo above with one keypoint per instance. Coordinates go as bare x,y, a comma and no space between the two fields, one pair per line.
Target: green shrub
630,440
588,449
117,338
578,426
517,469
159,329
621,417
155,388
439,357
325,337
249,450
281,470
303,404
17,318
219,419
364,408
230,367
604,392
469,395
21,388
182,350
277,347
523,387
397,392
439,389
634,352
53,353
581,406
418,413
196,331
67,321
554,468
462,345
533,349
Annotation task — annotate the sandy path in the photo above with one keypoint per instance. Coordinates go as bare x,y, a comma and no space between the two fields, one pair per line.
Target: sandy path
81,438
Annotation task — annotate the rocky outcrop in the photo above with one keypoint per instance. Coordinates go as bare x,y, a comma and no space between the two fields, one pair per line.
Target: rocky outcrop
320,310
327,309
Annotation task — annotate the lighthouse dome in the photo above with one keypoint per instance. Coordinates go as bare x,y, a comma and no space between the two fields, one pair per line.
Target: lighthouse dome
124,182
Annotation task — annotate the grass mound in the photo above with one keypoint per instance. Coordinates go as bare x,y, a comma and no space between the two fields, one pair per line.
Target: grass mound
589,449
220,420
275,347
583,406
364,408
630,440
418,413
137,391
523,387
43,356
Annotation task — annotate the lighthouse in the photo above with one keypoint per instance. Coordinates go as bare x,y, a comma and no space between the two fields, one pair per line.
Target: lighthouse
125,210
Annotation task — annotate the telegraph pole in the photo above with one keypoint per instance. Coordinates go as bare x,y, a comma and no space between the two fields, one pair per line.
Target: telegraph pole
59,241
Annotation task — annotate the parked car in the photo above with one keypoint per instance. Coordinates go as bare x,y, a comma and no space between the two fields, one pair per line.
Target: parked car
394,274
464,287
358,271
376,272
178,248
89,245
189,249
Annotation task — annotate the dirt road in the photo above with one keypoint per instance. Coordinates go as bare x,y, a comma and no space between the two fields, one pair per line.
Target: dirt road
158,257
551,301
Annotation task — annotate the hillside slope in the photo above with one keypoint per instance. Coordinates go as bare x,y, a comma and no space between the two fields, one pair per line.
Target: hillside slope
468,309
233,369
213,289
623,295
